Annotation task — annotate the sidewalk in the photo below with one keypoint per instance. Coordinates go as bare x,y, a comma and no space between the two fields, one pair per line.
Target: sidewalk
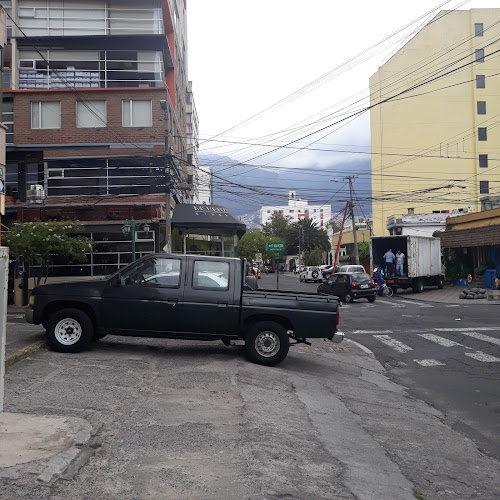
22,339
448,295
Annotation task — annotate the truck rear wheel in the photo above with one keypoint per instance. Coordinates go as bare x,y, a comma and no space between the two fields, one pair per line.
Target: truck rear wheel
69,330
266,343
418,286
441,283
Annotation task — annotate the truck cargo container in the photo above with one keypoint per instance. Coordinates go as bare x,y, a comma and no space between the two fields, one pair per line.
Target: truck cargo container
422,265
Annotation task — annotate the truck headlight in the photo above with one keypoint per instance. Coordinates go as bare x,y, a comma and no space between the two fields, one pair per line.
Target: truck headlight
32,300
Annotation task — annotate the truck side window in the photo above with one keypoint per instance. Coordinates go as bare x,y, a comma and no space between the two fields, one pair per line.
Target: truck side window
211,275
153,272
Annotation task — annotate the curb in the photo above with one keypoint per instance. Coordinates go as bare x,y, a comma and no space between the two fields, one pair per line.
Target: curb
24,353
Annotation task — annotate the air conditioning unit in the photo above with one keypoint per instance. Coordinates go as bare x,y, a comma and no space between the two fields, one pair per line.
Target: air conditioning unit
35,195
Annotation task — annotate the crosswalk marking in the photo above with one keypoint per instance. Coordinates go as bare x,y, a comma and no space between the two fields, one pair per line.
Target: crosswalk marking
395,344
428,362
440,340
372,331
479,336
481,356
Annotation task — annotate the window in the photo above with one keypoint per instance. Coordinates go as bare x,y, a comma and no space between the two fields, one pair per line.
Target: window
137,113
479,55
154,272
211,275
482,134
484,187
483,161
478,29
480,82
481,107
45,114
91,114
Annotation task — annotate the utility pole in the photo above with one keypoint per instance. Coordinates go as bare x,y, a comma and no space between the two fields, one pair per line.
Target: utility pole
168,183
354,232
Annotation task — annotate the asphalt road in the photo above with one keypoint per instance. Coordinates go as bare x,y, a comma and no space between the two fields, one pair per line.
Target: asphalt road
447,355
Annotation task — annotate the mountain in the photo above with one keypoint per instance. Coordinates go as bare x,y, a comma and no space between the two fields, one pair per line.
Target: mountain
244,189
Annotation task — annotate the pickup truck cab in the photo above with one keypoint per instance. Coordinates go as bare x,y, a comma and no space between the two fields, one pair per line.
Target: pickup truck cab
183,297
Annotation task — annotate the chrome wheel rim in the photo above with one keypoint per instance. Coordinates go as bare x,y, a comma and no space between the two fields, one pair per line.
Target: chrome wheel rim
68,331
267,344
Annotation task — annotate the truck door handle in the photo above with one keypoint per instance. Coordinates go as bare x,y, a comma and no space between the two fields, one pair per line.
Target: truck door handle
222,304
172,302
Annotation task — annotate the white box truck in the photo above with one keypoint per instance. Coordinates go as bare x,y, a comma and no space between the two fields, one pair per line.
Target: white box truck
422,265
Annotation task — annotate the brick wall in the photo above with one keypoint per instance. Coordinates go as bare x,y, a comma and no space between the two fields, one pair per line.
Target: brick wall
69,133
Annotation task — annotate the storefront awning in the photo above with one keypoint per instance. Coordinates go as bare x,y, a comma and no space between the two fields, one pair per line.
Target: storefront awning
206,219
472,237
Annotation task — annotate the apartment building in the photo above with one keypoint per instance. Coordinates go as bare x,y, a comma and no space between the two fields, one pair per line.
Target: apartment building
298,209
434,127
96,100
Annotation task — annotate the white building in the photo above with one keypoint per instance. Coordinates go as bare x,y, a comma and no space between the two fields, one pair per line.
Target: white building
202,186
298,209
418,224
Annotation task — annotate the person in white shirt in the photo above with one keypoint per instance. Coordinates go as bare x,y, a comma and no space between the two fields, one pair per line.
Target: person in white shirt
400,260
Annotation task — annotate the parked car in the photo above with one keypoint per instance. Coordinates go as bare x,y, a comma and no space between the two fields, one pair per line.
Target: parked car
350,286
188,297
268,269
352,268
311,273
328,271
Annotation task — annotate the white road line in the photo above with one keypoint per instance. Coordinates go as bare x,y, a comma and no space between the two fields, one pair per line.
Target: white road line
470,328
371,332
452,305
428,362
395,344
415,303
440,340
478,336
481,356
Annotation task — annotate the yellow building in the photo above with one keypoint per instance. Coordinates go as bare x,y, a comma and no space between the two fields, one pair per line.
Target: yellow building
436,140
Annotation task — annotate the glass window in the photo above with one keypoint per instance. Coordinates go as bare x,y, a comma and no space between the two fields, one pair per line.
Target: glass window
480,82
155,271
211,275
91,114
479,55
45,114
484,187
483,161
478,29
481,107
482,134
342,278
137,113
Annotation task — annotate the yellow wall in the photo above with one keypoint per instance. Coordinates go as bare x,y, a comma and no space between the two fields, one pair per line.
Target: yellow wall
441,122
348,238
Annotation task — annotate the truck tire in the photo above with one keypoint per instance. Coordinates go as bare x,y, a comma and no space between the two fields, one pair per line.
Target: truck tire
441,283
266,343
69,330
418,286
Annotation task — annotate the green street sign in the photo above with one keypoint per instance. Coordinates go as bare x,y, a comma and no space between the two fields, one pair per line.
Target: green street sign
277,255
275,247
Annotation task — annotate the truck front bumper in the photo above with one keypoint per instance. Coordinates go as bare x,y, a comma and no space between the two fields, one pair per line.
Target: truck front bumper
338,337
29,315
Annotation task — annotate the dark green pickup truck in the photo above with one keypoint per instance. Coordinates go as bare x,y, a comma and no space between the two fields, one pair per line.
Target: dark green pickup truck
183,297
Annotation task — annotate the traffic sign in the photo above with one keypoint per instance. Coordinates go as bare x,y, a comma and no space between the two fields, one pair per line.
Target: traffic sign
258,257
277,255
275,246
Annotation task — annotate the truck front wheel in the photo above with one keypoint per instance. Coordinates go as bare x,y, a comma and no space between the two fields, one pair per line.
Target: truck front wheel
266,343
69,330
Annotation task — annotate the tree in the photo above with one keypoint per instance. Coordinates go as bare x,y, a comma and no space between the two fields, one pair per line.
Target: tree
312,237
277,226
38,242
253,242
364,249
312,257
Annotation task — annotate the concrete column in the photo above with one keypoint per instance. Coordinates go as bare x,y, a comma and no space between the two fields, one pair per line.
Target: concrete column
4,288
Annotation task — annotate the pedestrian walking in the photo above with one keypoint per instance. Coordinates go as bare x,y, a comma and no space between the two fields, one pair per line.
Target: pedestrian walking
389,259
400,260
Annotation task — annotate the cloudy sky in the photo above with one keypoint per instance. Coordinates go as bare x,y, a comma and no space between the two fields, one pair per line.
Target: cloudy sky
246,56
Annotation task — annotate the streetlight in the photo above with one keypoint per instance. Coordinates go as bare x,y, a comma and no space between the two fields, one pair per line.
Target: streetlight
129,226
